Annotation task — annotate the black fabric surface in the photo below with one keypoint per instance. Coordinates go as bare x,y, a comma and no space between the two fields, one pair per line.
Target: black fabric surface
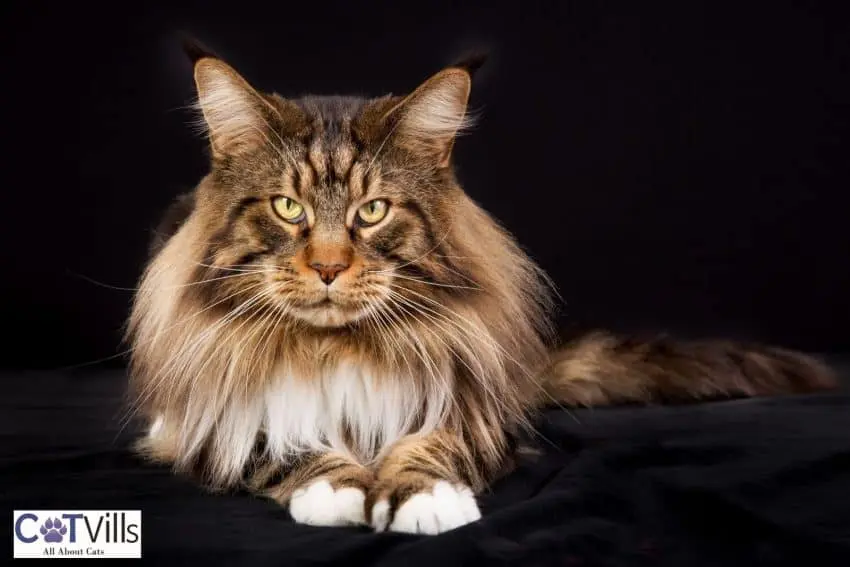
743,482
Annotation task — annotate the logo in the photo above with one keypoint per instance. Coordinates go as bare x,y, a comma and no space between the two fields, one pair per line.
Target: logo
53,530
77,533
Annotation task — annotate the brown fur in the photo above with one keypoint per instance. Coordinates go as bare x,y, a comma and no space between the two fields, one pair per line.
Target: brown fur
274,481
416,464
600,369
436,303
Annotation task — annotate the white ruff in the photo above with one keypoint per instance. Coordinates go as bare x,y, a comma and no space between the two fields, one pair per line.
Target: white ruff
302,415
312,415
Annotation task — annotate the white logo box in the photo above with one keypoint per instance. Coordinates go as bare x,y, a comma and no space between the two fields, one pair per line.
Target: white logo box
77,534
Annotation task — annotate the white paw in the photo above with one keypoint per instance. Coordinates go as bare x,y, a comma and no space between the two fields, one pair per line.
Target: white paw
320,505
444,508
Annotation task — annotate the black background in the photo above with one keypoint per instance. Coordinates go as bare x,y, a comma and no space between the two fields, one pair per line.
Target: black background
679,166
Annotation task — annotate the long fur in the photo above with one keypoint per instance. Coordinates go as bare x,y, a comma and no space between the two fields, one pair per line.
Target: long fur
450,357
224,378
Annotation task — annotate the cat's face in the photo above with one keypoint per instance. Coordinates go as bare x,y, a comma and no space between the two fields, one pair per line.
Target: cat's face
329,208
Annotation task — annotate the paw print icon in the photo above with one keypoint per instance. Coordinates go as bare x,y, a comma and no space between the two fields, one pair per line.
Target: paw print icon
53,530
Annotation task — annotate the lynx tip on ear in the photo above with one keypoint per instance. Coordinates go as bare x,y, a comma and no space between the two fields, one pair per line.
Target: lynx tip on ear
472,61
194,49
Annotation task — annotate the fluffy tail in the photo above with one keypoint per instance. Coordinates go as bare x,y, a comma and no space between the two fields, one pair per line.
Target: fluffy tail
600,369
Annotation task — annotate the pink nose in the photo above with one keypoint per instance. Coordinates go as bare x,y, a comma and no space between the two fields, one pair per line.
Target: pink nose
328,273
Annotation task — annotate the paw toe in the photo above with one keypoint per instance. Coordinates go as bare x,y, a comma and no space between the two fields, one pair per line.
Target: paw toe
417,516
444,508
381,515
319,504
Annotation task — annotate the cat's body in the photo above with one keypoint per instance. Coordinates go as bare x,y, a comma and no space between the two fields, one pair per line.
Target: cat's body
329,320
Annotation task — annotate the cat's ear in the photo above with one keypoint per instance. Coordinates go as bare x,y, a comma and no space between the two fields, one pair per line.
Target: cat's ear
429,119
236,117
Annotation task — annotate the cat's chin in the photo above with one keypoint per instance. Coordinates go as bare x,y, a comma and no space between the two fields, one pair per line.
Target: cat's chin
328,316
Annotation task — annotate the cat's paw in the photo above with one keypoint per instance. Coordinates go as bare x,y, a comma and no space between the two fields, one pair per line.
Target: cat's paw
320,504
440,508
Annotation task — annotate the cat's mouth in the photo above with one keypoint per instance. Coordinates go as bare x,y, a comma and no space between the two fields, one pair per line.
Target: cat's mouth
330,310
334,306
327,313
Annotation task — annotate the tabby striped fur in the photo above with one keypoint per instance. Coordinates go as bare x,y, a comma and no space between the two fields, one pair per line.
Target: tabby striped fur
391,395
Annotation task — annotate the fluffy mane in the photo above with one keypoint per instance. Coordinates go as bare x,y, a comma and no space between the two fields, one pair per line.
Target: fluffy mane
329,320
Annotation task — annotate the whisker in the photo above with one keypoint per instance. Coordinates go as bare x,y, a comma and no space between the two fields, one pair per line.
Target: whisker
176,286
139,344
530,375
439,243
430,364
485,383
434,284
421,352
437,322
159,377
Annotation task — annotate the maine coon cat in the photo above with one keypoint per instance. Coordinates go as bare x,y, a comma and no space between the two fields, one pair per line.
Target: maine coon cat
329,321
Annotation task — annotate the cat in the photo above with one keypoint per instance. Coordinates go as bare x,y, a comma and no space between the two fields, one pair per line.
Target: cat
328,320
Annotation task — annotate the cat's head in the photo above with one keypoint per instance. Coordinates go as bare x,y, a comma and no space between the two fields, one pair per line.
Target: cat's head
331,206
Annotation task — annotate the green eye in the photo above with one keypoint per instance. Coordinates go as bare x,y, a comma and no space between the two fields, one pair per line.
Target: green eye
288,209
373,211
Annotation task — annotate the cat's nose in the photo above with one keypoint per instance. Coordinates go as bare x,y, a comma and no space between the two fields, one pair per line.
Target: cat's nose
328,272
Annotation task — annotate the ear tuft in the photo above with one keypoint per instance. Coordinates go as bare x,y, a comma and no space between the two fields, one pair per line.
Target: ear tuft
432,116
194,49
472,61
438,108
237,117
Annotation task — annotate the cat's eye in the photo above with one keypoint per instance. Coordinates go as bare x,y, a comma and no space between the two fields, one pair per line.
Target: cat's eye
373,212
288,209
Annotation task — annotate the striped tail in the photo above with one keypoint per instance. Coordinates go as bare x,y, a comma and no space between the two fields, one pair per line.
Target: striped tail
600,369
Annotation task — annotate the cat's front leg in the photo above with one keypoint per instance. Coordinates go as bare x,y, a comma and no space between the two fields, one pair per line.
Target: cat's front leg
425,486
320,489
